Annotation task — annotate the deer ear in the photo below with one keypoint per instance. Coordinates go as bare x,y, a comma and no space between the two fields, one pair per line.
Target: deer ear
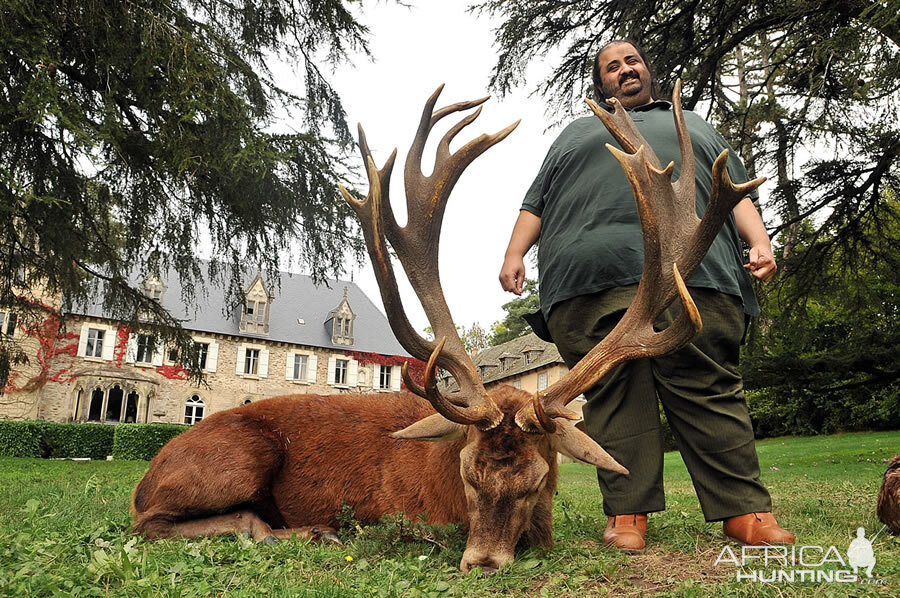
434,427
573,442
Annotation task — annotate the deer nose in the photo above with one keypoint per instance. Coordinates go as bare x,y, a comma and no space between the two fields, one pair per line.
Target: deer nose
489,564
487,569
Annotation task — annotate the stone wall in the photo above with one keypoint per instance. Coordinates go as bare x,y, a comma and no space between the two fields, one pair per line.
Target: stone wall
113,387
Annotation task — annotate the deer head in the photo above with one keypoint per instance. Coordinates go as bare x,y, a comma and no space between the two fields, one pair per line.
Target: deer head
508,464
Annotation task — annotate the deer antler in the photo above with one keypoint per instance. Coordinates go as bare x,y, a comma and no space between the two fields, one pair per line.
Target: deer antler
673,234
416,245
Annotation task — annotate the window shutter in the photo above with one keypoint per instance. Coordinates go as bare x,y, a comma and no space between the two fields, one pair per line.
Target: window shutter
212,358
352,372
289,366
331,361
82,340
241,355
395,377
131,348
263,367
311,366
376,380
158,353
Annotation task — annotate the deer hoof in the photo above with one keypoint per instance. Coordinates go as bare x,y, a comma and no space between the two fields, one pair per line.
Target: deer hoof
269,540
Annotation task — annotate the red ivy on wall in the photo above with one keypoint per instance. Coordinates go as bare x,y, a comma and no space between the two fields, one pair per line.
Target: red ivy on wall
416,367
48,336
122,334
172,372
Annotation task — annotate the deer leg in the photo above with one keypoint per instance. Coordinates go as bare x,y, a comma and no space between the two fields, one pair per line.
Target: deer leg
245,522
239,522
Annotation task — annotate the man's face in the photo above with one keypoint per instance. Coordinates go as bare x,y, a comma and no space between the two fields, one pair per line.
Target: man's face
624,75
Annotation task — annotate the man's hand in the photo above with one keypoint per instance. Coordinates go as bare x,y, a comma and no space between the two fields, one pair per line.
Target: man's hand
752,230
762,263
525,234
512,274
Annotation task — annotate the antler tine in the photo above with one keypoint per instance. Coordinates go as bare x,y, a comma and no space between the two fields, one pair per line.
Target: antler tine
416,245
725,195
673,234
622,128
388,221
686,185
371,220
447,167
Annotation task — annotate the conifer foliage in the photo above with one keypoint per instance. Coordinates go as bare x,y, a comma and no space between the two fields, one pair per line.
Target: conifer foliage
132,131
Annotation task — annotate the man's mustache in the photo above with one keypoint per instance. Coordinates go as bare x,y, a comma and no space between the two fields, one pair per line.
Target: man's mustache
626,76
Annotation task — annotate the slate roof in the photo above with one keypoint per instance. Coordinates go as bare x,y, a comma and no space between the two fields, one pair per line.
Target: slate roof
297,299
514,349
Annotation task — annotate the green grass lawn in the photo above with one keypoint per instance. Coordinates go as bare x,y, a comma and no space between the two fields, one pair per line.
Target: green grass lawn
64,532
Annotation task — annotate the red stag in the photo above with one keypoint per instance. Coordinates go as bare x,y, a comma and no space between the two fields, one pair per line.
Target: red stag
284,466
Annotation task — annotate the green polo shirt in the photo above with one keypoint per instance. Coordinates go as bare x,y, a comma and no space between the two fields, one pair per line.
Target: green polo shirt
590,233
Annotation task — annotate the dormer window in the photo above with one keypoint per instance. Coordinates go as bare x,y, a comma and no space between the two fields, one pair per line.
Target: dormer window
340,322
532,354
154,288
256,311
255,315
508,361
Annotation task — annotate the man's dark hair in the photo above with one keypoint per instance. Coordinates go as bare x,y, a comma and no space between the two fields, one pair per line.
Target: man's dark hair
599,96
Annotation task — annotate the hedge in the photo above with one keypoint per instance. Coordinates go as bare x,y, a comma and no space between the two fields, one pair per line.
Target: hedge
143,441
21,438
780,412
77,440
43,439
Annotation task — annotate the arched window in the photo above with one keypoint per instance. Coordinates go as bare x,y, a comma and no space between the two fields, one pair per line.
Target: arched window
96,410
131,408
114,404
193,410
76,404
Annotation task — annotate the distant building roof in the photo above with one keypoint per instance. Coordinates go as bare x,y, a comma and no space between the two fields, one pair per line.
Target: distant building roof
544,353
297,300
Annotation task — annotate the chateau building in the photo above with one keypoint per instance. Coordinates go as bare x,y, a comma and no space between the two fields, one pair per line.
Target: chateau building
299,339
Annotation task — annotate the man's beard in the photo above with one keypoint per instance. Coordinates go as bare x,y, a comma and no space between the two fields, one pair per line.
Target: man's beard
629,91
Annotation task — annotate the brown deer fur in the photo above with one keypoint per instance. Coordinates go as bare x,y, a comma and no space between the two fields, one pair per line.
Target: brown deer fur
293,461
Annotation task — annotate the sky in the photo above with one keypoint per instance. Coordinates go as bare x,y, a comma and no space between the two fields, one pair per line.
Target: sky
415,50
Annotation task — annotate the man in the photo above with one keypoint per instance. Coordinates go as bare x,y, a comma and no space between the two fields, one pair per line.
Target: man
591,256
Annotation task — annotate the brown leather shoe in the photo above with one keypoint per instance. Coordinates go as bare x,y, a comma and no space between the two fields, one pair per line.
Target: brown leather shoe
626,532
756,529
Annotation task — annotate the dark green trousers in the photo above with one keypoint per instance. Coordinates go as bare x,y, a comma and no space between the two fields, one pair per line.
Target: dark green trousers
701,391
